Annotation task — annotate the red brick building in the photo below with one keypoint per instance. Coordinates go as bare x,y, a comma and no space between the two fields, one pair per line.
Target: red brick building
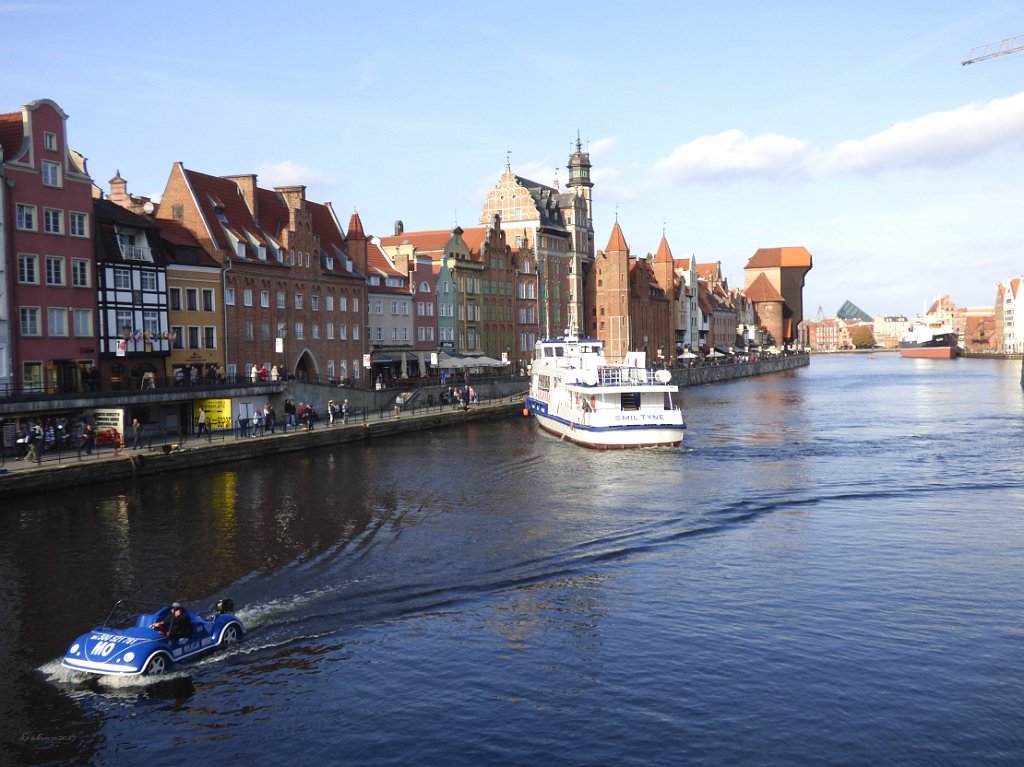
51,269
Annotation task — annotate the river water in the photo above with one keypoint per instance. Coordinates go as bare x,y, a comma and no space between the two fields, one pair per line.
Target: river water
828,573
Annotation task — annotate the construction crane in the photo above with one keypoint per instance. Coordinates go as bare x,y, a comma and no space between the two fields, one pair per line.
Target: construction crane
990,51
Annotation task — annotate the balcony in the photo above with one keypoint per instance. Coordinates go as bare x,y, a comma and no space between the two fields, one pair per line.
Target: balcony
136,253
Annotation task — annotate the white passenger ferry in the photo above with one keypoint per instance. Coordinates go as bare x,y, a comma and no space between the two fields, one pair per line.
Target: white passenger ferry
577,394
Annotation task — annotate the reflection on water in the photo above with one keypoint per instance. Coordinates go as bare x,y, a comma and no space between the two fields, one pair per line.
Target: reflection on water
804,582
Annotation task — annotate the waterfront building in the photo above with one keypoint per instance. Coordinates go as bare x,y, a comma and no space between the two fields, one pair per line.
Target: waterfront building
50,264
390,320
283,264
664,266
132,301
686,269
192,274
627,308
979,329
6,378
1011,327
559,227
499,293
779,311
889,329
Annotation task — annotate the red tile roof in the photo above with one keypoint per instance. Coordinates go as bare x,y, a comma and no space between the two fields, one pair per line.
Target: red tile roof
12,134
762,291
664,254
766,258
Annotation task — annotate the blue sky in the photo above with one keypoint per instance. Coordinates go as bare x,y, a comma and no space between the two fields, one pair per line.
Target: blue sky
849,128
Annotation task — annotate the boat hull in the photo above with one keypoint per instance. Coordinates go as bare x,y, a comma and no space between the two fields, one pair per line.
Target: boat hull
928,352
615,437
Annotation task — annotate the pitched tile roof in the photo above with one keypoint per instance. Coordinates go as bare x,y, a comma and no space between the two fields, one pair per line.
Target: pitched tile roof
762,291
664,254
12,134
766,258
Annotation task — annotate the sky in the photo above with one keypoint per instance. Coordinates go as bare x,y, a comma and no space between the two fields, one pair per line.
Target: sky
850,128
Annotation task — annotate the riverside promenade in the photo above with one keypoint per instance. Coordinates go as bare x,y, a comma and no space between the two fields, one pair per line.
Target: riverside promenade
106,464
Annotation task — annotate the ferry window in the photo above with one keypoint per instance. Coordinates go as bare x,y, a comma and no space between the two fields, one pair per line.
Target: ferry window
560,352
549,352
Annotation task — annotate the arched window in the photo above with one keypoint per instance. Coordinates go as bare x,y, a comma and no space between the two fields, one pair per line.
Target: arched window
424,287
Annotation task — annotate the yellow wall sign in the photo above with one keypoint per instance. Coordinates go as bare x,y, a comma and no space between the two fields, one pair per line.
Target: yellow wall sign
218,413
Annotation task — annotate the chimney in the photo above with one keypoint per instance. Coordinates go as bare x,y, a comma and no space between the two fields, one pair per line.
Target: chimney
247,187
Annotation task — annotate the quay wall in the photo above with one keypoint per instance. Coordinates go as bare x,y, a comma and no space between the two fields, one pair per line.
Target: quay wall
705,374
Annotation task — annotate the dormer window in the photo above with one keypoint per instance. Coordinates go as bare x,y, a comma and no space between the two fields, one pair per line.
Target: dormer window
330,262
219,212
240,249
262,252
50,141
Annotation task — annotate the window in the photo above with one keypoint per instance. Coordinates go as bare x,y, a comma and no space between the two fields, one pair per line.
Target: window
282,299
342,332
83,323
208,305
80,273
264,331
298,300
57,322
329,306
247,297
330,331
299,332
28,269
209,337
394,308
316,331
30,320
193,337
192,299
355,332
32,375
265,299
342,303
177,337
378,306
424,287
330,368
124,322
50,141
26,217
148,281
51,173
229,296
247,331
122,279
79,224
151,323
175,297
55,270
314,303
355,304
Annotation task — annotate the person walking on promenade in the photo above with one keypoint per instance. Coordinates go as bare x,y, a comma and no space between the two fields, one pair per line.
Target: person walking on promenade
34,440
90,438
344,411
289,412
203,427
136,434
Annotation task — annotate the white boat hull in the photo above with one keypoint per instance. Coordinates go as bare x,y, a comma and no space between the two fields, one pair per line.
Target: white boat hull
635,429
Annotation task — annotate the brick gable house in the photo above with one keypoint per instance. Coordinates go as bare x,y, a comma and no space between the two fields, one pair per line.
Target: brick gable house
288,283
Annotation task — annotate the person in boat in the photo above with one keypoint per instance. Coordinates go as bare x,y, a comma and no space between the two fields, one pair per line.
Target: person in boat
177,624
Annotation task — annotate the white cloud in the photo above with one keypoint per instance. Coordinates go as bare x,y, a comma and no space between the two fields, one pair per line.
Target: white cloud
288,173
940,139
730,155
601,147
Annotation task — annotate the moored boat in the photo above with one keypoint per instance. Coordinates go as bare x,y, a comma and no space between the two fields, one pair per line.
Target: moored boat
577,394
924,341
